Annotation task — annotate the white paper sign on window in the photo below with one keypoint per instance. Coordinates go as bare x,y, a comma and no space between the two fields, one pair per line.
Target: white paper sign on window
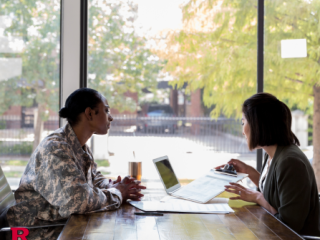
294,48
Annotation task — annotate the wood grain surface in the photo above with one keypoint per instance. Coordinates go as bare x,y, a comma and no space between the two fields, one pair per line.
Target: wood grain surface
249,221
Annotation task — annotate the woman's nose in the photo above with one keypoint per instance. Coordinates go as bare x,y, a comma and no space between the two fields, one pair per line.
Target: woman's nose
110,118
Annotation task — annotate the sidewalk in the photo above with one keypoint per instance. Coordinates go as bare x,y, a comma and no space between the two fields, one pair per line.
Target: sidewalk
189,159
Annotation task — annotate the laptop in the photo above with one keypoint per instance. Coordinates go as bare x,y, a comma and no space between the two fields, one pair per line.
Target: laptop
200,190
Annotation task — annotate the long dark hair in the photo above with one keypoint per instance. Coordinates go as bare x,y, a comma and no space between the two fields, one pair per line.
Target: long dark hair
269,121
77,103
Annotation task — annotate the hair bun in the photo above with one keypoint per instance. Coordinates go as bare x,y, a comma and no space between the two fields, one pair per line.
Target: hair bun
63,113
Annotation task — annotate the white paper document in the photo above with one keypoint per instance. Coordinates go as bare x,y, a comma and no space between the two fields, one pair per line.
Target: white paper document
180,205
214,200
207,187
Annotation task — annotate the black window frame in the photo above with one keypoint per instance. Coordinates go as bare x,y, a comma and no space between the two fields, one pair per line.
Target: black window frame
83,43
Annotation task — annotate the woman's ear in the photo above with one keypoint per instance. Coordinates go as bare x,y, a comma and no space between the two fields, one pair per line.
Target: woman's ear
88,113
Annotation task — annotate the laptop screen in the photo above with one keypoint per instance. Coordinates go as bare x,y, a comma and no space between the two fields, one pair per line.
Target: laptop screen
168,177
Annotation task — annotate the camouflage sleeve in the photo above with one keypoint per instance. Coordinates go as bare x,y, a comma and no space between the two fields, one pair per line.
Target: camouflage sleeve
99,180
64,185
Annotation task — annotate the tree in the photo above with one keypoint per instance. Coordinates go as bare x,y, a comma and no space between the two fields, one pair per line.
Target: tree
216,50
119,59
38,24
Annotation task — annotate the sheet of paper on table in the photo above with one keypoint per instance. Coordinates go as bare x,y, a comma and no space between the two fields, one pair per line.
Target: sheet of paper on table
207,187
172,204
214,200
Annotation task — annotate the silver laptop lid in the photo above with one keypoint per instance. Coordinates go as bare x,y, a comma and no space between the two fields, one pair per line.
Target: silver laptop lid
166,173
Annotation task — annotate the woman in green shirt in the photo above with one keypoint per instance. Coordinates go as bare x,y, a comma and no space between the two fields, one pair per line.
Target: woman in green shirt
287,182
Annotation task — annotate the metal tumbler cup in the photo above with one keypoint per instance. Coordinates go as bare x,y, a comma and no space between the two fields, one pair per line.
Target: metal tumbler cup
135,170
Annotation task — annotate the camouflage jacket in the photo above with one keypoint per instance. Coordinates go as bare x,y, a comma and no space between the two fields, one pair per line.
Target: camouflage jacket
60,179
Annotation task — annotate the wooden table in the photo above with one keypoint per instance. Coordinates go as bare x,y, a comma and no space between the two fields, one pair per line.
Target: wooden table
249,221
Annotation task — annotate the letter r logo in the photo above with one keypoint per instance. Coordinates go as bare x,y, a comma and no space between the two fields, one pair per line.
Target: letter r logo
17,236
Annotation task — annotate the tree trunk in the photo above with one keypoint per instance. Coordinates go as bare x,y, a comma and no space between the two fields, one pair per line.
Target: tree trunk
38,128
316,134
174,101
196,110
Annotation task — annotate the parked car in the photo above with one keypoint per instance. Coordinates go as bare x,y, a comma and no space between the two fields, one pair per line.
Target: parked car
157,118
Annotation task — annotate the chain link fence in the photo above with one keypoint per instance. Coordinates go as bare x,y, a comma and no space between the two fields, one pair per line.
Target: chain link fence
220,135
17,134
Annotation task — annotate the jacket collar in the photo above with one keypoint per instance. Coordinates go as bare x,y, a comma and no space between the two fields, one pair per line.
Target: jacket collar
73,140
275,159
278,152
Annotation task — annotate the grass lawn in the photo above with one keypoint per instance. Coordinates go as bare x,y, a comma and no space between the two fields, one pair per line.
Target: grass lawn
13,174
16,174
16,163
102,162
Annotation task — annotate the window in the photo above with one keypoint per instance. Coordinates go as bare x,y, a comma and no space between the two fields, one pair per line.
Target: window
194,59
291,62
165,54
29,80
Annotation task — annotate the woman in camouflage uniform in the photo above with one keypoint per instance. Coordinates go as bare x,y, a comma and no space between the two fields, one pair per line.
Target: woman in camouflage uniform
61,177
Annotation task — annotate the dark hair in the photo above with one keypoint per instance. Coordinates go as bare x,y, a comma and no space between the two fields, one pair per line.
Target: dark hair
77,103
269,121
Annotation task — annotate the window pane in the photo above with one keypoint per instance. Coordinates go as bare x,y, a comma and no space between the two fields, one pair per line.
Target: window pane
175,74
29,80
291,62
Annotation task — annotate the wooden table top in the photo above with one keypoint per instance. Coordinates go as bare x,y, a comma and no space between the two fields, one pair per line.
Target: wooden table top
249,221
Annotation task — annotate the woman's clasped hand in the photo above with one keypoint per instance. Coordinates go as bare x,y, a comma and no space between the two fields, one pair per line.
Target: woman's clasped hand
129,188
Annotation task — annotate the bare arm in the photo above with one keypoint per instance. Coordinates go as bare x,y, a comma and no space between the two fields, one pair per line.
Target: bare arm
241,167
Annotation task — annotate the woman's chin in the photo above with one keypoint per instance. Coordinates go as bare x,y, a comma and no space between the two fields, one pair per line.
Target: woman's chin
102,132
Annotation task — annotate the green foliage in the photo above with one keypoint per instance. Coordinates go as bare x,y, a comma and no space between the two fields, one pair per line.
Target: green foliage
3,124
38,24
102,162
292,79
16,163
119,60
217,52
13,174
23,148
